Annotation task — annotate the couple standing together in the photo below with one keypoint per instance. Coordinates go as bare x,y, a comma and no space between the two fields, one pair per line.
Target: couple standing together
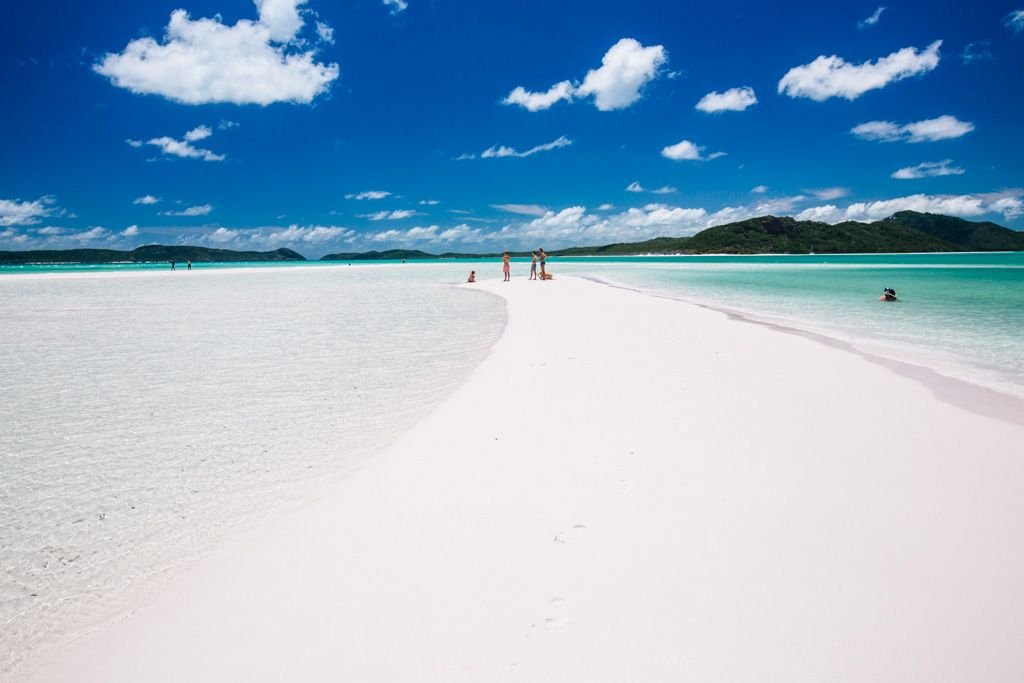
537,255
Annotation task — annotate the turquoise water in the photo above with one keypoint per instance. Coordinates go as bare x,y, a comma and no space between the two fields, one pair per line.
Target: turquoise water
961,314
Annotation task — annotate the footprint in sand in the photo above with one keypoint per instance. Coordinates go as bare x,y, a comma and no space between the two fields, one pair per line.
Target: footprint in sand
557,619
574,533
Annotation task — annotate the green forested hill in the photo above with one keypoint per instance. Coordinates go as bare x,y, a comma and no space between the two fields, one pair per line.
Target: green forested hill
148,254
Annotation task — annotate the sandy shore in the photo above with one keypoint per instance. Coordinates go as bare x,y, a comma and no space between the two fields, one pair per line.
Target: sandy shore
627,489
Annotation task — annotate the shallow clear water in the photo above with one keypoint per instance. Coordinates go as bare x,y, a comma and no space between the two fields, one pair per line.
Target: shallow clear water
960,314
143,416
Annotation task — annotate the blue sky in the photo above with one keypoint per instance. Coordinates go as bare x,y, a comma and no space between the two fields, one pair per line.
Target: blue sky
470,126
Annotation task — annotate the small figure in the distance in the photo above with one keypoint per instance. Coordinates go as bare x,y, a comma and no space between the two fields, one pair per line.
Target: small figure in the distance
888,294
533,266
505,267
472,276
543,263
172,265
190,264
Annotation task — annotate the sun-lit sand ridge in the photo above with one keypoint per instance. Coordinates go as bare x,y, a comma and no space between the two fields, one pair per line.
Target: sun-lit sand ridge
627,488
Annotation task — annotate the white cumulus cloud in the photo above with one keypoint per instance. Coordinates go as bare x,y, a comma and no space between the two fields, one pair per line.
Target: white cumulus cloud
928,169
833,76
15,212
147,199
396,6
943,127
94,233
203,61
734,99
965,206
500,151
684,150
759,189
537,101
130,231
625,69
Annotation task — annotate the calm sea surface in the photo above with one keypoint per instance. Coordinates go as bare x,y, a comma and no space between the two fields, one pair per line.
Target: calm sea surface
144,413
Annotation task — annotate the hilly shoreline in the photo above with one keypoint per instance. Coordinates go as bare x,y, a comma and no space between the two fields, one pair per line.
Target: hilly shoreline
903,232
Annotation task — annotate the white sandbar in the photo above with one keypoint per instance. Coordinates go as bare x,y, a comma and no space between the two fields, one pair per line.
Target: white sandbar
627,489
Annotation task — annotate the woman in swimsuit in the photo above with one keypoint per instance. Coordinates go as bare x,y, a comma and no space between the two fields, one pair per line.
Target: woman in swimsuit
505,266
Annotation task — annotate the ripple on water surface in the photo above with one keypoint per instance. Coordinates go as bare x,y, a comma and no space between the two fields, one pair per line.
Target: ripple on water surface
142,416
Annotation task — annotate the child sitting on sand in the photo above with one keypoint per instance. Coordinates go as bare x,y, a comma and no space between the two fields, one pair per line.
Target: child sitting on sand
472,276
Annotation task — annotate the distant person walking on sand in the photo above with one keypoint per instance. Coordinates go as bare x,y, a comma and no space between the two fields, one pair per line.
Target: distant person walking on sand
172,265
543,263
505,267
533,266
472,276
190,264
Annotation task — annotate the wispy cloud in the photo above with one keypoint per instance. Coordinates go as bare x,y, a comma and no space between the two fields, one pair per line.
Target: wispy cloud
396,215
637,187
192,211
976,52
828,193
872,20
147,199
928,169
523,209
369,194
930,130
183,148
625,69
396,6
501,151
833,76
759,189
1015,21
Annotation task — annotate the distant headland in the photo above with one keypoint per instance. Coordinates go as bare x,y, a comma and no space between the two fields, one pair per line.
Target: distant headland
903,232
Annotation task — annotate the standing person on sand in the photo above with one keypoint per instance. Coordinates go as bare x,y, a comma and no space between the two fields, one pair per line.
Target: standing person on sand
543,260
172,265
189,264
505,267
533,266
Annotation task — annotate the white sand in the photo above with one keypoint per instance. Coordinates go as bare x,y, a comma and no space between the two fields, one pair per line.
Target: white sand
628,489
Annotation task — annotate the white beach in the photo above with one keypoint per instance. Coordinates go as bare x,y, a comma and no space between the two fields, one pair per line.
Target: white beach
627,488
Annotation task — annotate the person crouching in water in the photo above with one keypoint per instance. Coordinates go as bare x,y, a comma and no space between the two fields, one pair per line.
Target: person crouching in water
888,294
